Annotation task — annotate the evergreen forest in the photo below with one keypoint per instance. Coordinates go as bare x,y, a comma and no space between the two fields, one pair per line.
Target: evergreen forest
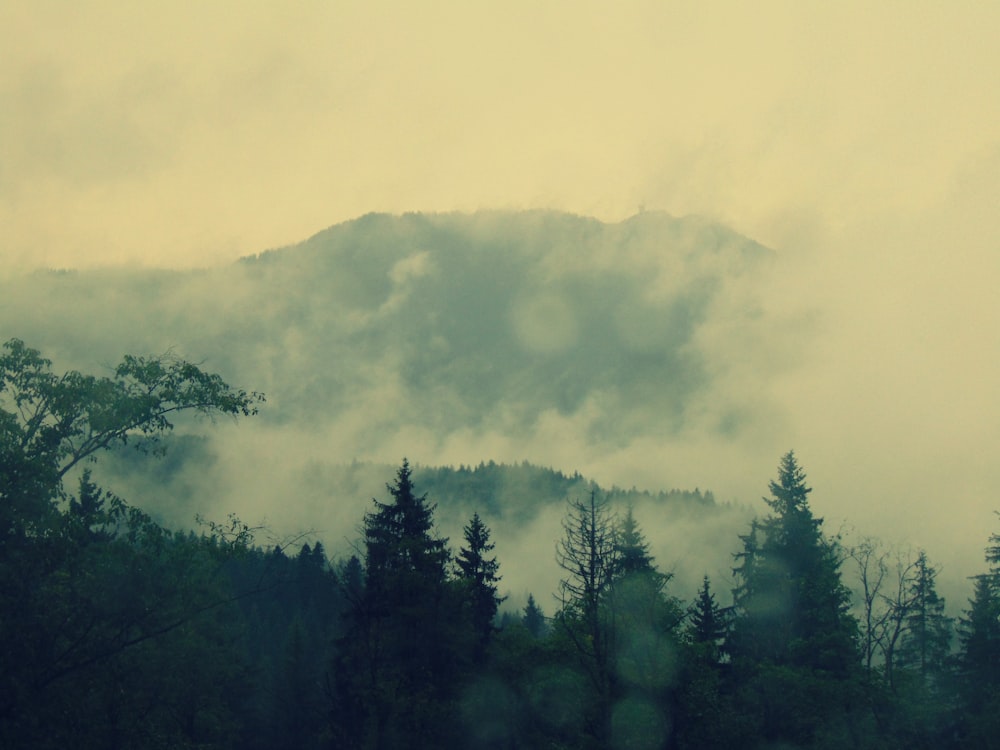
119,632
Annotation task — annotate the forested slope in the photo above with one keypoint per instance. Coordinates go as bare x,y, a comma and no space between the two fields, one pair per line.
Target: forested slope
119,632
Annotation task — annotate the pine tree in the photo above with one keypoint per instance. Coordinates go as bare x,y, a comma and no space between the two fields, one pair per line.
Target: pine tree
979,634
479,574
534,618
792,641
399,545
631,548
791,602
978,665
979,631
707,622
396,664
926,640
704,717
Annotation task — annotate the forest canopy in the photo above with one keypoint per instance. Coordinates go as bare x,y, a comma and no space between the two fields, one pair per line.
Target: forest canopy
119,632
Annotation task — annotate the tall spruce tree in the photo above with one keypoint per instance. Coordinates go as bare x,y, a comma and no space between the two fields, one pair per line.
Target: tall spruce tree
534,618
792,641
478,572
706,622
631,548
926,641
979,632
791,603
978,664
400,548
395,668
705,716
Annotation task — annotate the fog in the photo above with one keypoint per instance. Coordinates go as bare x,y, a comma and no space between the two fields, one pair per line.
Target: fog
449,339
859,145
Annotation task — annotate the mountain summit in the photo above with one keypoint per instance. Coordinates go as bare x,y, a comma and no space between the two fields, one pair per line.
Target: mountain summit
450,337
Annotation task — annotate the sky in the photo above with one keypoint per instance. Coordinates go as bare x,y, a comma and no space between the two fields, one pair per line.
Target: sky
859,140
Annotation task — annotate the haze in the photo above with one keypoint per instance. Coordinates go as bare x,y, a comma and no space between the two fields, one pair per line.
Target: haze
861,142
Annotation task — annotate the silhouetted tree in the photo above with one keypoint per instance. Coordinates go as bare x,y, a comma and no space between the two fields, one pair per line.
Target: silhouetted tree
792,635
87,582
791,603
631,548
396,662
588,555
534,618
478,572
707,622
978,667
926,641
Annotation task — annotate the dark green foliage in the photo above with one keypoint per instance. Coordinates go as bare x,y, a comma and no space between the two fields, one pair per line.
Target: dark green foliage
706,626
792,641
632,550
403,648
129,615
95,598
979,633
477,572
534,618
926,641
52,422
399,547
503,490
977,665
978,661
620,626
116,632
791,602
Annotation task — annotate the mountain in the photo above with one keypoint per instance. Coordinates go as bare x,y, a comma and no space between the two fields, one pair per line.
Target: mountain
523,504
633,352
447,321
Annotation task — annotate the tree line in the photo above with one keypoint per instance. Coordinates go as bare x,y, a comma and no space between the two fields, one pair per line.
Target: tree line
118,633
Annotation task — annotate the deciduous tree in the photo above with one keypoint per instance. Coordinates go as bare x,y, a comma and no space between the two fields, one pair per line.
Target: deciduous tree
86,581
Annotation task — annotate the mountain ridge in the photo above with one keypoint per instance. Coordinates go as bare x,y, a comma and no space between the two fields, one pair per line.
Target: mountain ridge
625,348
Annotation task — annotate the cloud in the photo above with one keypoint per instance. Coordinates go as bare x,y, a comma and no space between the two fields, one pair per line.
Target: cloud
859,142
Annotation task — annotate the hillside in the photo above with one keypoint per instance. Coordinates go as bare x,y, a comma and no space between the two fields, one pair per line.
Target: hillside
633,353
449,321
524,504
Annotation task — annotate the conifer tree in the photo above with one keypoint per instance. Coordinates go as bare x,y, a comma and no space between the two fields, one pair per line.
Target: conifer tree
705,718
706,623
534,618
979,629
400,548
978,664
926,640
479,573
631,548
791,603
396,662
979,633
792,641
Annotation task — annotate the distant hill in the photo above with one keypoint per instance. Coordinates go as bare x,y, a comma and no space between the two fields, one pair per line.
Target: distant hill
481,321
524,504
607,348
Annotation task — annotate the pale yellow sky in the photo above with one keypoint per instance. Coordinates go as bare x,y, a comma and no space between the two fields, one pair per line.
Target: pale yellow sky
190,133
859,139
